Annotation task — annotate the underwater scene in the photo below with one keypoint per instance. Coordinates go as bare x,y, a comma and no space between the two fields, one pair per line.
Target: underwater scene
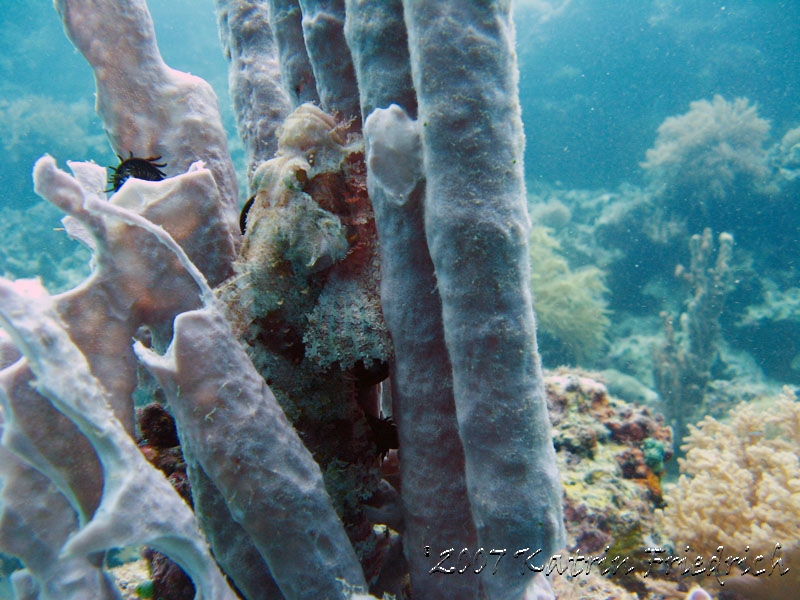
400,299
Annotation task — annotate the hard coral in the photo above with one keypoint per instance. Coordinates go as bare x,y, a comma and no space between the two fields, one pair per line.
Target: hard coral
682,364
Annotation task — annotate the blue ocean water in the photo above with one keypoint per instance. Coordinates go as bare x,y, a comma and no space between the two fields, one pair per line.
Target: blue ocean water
646,124
598,77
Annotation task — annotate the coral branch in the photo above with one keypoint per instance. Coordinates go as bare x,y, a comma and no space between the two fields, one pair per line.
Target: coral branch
682,365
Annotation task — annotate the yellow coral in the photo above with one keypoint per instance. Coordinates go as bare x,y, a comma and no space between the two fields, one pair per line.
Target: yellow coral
740,484
569,304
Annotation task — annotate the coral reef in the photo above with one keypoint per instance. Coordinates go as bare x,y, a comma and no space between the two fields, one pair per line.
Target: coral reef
38,120
786,155
627,233
31,122
611,455
133,581
36,244
774,314
739,488
286,486
593,586
778,305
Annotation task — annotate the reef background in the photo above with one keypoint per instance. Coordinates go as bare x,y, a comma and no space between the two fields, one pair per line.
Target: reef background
597,81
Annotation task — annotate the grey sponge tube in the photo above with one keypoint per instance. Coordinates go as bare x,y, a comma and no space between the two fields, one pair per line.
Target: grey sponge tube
230,423
436,508
254,79
464,71
323,30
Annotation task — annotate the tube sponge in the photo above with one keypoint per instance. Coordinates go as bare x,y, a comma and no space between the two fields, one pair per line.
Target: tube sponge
435,500
138,505
232,428
476,224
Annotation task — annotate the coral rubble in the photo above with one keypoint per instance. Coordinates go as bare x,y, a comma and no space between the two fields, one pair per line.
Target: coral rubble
611,454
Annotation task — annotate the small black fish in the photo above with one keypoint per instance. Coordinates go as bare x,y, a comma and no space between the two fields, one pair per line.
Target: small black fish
385,431
243,215
366,376
138,168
